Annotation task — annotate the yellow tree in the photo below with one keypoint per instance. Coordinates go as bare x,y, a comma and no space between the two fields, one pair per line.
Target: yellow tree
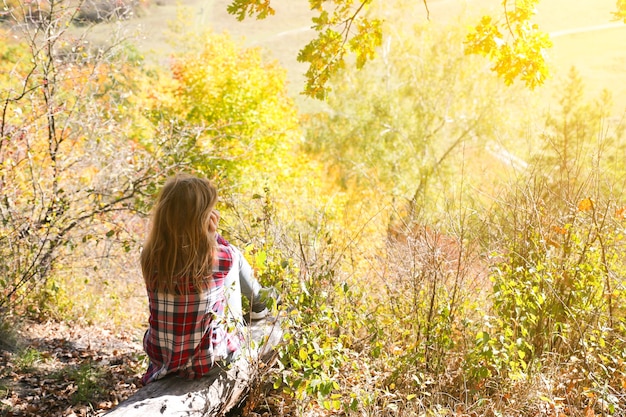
246,125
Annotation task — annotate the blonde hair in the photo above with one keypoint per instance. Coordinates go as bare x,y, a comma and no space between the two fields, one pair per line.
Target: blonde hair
178,253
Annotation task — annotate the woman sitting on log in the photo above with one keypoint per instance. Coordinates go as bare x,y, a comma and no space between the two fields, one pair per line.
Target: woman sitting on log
194,279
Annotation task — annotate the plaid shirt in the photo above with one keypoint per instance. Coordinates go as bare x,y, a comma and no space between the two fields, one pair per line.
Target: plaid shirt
188,333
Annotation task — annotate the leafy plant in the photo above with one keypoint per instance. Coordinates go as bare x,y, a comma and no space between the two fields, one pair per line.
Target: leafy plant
317,317
229,112
85,378
312,354
87,386
516,46
557,276
28,359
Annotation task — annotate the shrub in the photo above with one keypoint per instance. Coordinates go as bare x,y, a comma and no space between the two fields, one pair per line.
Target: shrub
558,271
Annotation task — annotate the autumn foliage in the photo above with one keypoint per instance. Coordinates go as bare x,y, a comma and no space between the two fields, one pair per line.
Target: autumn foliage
440,248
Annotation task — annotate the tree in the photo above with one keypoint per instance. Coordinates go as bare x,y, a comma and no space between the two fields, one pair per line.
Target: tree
522,55
345,27
237,103
71,170
401,125
578,142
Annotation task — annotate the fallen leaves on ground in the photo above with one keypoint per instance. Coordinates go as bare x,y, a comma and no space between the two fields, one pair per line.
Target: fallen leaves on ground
62,370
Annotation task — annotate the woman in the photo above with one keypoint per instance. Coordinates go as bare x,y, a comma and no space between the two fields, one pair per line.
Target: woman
191,274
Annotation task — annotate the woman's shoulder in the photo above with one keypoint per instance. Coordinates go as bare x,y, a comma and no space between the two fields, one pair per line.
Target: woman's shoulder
224,255
221,241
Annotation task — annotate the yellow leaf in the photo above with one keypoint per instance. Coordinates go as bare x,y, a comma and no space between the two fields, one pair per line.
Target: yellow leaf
303,354
585,204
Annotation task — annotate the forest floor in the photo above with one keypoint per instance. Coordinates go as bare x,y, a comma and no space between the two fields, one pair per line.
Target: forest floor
56,369
59,369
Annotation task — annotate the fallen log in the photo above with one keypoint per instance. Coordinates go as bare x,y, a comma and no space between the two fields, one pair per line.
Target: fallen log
224,388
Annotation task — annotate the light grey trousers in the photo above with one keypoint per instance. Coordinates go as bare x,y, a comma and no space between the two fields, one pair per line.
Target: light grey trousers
239,281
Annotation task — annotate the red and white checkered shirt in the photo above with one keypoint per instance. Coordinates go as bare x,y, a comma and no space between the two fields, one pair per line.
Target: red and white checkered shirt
188,333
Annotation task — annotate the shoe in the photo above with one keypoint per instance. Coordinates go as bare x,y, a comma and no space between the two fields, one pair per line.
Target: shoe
268,297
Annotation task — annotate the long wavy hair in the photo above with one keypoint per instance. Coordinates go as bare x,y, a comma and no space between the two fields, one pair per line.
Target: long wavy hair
178,253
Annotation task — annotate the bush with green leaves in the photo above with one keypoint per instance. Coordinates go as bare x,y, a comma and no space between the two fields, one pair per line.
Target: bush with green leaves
558,275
